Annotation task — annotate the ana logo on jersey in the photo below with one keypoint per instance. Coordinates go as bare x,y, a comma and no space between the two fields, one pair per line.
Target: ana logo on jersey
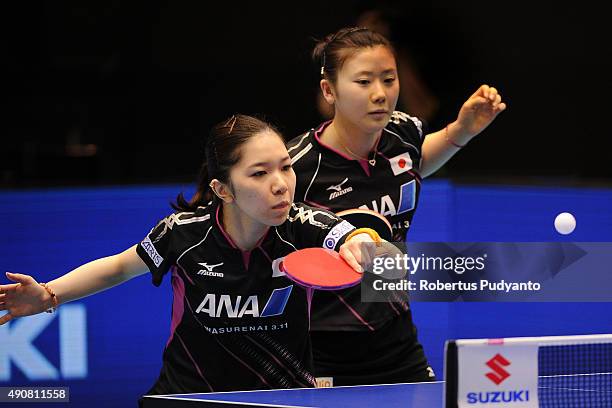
385,205
337,189
208,271
233,306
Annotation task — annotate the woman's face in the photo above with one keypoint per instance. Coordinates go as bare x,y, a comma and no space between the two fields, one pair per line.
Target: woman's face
367,89
263,181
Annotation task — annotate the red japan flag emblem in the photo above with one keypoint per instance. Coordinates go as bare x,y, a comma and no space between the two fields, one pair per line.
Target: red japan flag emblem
401,163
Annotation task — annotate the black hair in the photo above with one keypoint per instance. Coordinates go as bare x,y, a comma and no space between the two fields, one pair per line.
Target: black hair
222,152
330,53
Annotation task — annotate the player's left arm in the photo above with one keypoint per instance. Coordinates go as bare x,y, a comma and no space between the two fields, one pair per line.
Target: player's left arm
27,297
474,116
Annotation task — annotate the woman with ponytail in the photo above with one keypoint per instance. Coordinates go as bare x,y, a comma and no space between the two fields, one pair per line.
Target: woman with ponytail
221,249
371,156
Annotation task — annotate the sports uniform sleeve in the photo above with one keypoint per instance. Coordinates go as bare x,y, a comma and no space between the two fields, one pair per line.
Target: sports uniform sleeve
410,129
157,249
303,156
308,227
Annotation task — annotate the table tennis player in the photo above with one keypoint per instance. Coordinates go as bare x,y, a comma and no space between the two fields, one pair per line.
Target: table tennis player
237,322
371,156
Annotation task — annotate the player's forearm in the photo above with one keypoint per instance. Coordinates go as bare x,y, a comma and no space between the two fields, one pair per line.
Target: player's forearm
439,147
96,276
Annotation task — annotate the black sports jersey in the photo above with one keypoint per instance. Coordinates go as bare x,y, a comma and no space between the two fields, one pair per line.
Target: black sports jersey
237,322
327,178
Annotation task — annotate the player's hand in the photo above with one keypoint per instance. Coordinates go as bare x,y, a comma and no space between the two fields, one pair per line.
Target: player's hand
355,254
23,298
479,111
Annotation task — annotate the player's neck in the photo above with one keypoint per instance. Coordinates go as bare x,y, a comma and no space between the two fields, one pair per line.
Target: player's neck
350,139
242,229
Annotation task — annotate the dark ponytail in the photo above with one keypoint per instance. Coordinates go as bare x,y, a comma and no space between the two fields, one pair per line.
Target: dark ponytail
202,196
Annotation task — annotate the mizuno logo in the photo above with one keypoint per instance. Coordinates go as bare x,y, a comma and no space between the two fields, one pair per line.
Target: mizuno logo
496,364
208,271
208,267
337,189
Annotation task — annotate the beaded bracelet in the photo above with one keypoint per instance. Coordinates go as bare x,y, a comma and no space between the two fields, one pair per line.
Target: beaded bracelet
54,301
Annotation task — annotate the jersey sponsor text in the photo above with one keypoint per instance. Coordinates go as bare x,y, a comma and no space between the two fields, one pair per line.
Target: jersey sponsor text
234,307
247,329
149,248
337,189
209,270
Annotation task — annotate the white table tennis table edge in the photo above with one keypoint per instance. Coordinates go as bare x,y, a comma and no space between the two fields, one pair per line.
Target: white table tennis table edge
255,404
296,389
174,396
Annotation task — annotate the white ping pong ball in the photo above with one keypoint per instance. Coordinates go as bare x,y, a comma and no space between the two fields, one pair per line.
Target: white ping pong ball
565,223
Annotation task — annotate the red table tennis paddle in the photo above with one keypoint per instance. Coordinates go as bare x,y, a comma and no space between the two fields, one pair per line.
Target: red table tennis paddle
361,218
319,268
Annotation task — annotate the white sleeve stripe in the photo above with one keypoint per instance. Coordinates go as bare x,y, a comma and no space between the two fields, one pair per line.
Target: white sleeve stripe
402,140
299,143
173,219
301,154
192,220
313,177
193,246
418,124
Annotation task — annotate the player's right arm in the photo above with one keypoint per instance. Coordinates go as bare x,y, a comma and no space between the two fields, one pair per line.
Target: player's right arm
27,297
